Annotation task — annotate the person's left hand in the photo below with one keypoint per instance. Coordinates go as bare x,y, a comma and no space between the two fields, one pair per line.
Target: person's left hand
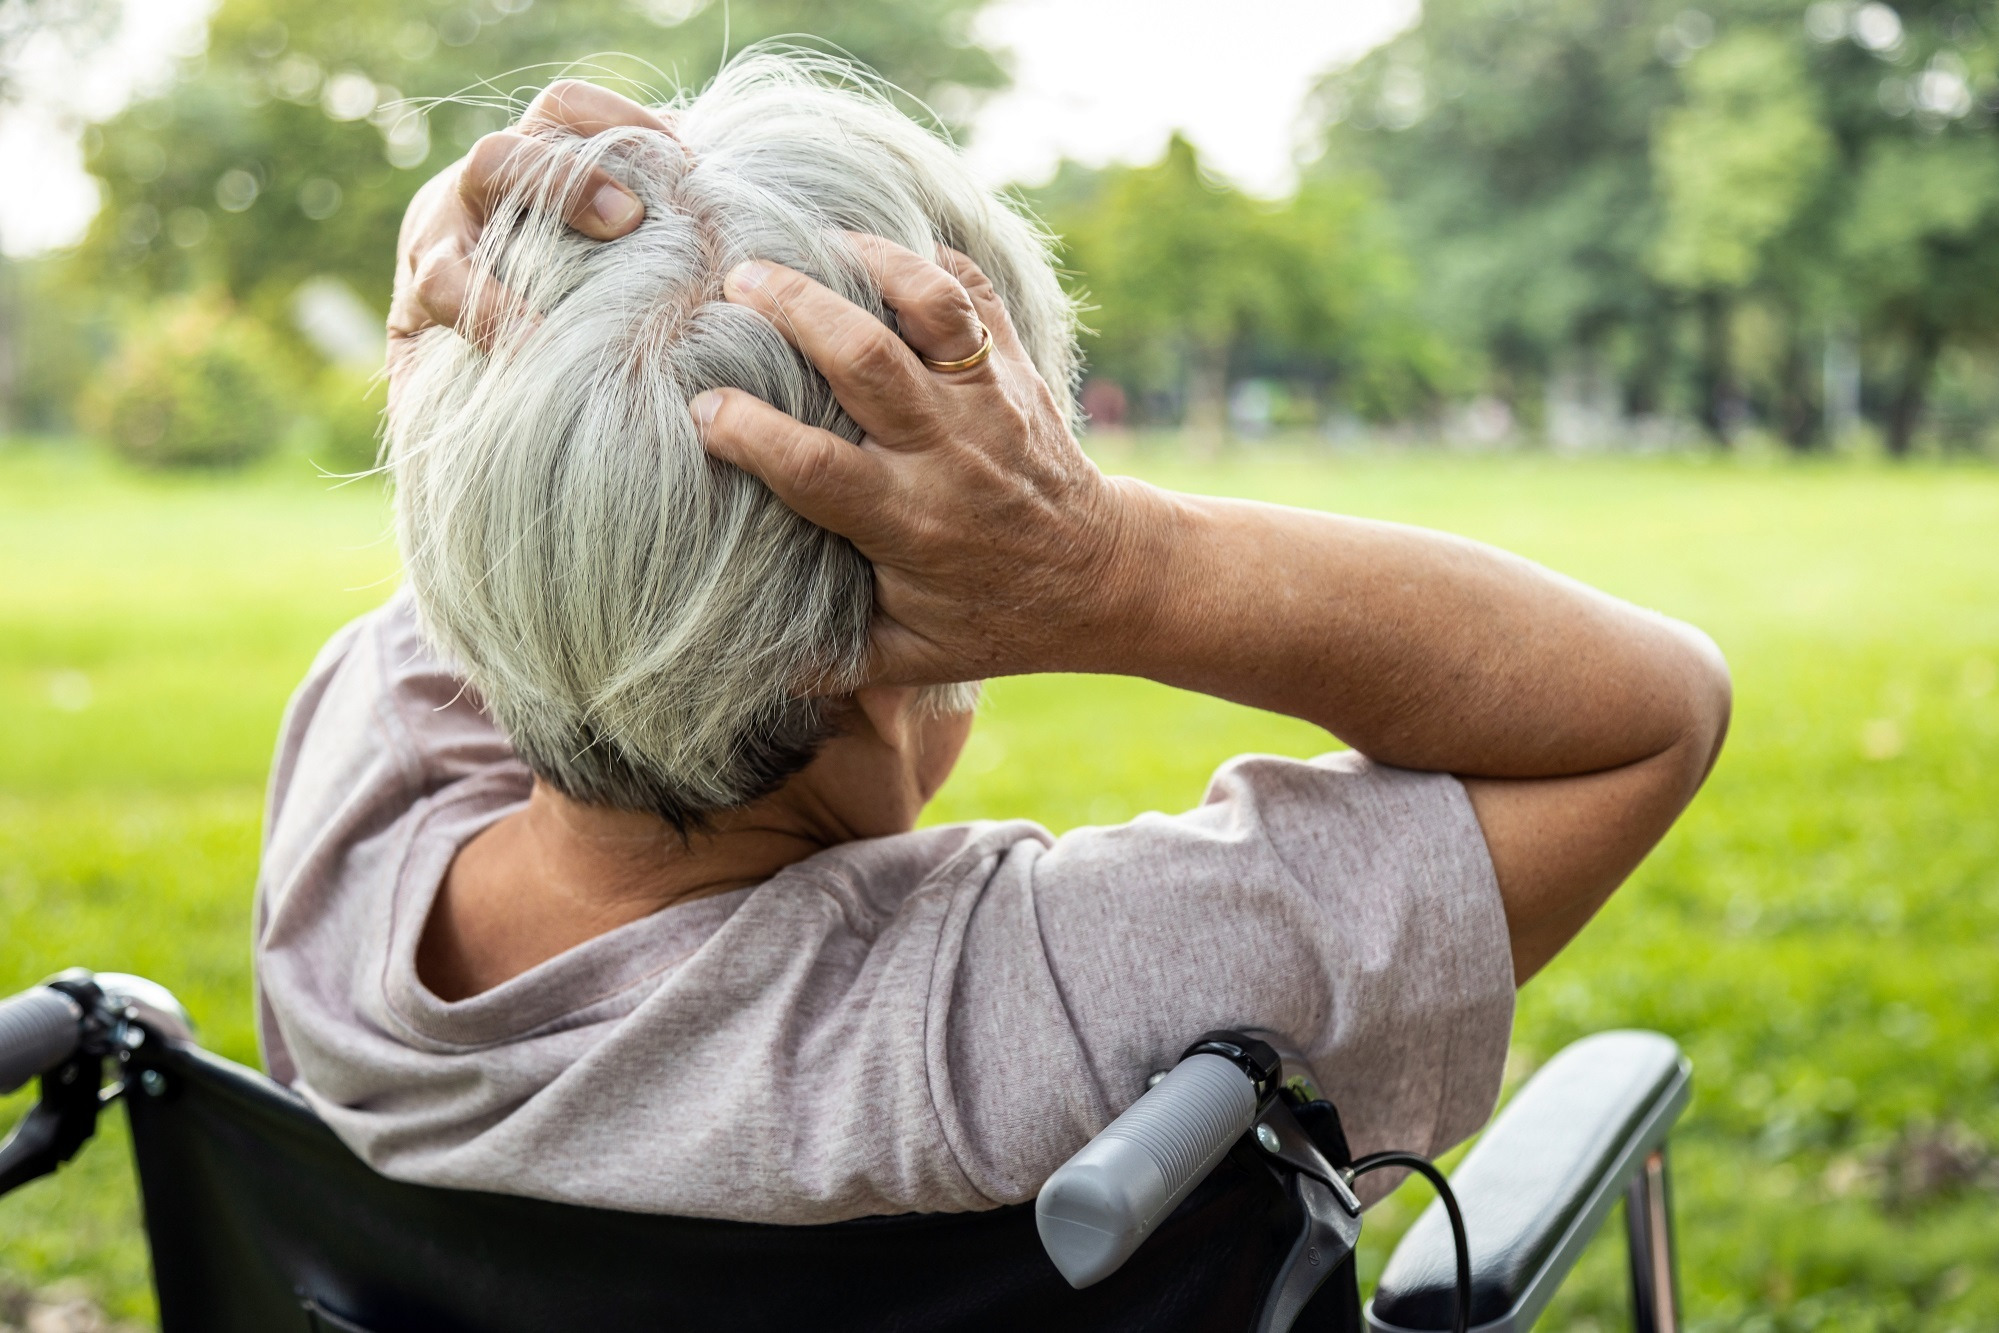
998,547
444,221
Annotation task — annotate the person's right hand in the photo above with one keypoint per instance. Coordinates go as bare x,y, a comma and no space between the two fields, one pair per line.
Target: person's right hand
444,221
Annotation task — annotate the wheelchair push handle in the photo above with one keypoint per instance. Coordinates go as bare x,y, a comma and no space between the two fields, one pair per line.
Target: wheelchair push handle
39,1029
1101,1204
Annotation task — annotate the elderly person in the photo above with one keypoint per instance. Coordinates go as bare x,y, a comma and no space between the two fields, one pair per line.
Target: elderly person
729,447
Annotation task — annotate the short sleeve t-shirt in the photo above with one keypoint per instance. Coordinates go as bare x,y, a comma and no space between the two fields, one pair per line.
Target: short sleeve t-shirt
928,1022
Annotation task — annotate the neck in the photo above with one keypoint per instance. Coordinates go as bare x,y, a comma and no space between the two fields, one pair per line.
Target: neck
624,863
557,873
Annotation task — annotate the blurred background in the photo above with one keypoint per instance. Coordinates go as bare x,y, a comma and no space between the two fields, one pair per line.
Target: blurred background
1700,304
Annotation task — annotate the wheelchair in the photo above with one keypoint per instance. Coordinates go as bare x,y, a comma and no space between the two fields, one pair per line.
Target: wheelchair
1221,1200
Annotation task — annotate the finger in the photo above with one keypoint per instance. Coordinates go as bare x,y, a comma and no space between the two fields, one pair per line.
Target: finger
874,374
481,311
985,299
825,479
932,308
508,163
576,107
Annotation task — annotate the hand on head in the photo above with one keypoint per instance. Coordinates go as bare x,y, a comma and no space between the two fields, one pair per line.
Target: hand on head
442,226
968,493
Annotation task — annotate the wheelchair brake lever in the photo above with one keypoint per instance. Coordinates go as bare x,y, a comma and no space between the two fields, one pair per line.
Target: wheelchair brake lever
59,1124
1330,1213
1281,1137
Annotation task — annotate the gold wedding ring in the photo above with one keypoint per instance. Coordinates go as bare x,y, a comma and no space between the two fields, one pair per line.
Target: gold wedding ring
964,363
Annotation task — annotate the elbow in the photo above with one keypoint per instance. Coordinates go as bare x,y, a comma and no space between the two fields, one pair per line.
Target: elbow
1561,848
1709,705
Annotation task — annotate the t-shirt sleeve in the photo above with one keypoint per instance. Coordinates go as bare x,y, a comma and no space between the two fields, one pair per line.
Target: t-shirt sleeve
1348,906
378,724
379,721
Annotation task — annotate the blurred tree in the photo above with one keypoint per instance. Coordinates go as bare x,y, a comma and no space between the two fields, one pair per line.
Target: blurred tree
1349,323
1192,283
292,147
1736,165
1180,268
1910,236
1736,162
192,386
74,28
1657,180
1512,138
1921,240
55,342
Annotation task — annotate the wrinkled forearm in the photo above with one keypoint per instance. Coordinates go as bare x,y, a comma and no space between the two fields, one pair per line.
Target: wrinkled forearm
1420,649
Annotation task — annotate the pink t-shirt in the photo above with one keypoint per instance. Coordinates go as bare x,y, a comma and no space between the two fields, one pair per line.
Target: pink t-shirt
928,1022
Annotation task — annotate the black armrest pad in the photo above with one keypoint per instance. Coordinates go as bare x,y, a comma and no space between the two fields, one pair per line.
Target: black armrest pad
1550,1165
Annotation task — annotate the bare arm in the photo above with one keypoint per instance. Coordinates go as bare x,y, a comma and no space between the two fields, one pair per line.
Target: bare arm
1581,724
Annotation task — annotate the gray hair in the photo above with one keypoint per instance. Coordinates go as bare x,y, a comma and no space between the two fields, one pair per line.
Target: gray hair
655,630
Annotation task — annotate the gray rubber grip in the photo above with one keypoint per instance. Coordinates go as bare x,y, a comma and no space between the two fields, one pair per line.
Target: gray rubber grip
38,1030
1103,1202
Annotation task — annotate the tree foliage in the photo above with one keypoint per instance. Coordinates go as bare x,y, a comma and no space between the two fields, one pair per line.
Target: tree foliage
288,150
1737,162
1701,210
1191,283
1693,199
192,386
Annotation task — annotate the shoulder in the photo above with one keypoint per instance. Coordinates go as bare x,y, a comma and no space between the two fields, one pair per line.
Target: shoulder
1343,780
1338,813
1348,807
378,706
377,726
873,879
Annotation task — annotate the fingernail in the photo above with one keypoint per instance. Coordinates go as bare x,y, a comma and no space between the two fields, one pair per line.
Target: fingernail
704,407
615,207
750,276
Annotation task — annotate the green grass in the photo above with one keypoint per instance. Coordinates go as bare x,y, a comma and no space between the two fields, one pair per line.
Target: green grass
1818,932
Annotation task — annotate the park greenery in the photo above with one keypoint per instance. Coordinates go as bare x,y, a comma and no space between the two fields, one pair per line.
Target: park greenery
1758,214
1700,209
287,150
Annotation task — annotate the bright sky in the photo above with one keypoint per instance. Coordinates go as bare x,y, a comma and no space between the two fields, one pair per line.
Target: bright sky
1108,80
46,197
1096,80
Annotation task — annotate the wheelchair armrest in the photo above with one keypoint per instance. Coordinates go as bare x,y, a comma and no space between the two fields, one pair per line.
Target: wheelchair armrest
1538,1184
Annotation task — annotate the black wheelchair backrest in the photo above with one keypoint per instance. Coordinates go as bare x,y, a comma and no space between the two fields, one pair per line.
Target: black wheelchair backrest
261,1221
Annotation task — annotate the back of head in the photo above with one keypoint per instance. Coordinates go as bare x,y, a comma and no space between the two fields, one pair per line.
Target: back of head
655,630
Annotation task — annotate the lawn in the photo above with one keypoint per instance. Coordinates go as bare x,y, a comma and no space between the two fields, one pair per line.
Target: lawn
1819,933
